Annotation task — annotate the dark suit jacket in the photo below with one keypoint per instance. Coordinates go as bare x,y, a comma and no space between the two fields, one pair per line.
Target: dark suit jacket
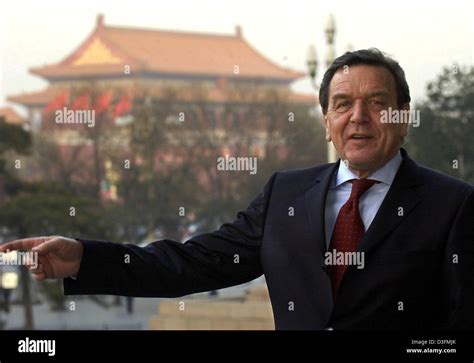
419,256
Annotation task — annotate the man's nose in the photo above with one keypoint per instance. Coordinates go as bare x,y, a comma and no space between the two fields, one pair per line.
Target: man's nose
360,112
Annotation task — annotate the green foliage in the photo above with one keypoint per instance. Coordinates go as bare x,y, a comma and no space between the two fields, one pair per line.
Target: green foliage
175,162
13,137
45,209
443,141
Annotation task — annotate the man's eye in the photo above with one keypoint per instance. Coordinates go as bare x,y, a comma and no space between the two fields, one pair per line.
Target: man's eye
378,103
343,104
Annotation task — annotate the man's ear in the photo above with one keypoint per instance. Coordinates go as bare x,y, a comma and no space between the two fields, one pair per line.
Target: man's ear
326,126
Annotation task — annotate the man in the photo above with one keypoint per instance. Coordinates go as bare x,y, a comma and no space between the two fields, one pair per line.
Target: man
373,242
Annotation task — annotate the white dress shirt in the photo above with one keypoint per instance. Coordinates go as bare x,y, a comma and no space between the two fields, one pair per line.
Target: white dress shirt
369,203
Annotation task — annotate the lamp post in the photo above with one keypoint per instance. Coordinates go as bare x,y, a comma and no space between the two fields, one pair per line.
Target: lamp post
312,63
8,282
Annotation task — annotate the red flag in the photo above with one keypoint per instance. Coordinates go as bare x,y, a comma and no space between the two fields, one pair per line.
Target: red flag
123,106
60,101
102,102
81,102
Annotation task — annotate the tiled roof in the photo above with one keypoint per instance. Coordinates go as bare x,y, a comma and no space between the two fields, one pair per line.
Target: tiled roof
36,98
108,49
11,116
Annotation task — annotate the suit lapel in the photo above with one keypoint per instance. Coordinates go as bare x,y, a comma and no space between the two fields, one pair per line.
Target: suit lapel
403,193
315,201
400,200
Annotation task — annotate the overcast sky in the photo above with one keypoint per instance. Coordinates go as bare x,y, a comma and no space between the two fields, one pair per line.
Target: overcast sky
422,35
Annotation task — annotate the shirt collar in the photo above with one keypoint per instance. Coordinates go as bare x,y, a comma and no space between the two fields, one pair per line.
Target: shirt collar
385,174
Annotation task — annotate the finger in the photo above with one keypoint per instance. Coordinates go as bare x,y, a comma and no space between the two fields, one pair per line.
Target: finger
37,269
30,259
23,244
48,246
39,277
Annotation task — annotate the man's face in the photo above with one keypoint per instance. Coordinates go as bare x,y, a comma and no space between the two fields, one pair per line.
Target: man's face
357,95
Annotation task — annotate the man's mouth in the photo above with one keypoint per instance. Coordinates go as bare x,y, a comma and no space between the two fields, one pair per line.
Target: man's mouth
360,137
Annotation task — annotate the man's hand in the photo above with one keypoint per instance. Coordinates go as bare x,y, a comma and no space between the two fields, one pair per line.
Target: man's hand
58,257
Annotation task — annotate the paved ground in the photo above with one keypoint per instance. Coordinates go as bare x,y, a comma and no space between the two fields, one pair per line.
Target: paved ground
91,316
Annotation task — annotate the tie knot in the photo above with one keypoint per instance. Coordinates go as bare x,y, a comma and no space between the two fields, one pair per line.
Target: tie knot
360,186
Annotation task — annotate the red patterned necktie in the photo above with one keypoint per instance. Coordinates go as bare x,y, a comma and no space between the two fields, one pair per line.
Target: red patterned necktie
348,230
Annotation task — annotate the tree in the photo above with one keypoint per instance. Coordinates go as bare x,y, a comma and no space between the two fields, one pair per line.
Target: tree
443,140
14,139
40,208
177,135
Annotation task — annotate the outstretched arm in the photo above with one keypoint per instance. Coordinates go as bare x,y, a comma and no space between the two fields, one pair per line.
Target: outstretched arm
210,261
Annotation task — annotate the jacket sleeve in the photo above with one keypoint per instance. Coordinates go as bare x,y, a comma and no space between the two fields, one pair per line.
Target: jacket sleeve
166,268
458,275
